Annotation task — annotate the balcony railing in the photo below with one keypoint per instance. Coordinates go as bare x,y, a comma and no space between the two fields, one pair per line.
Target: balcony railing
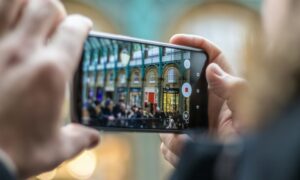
175,56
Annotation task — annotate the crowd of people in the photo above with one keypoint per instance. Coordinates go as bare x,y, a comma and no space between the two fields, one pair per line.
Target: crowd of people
109,114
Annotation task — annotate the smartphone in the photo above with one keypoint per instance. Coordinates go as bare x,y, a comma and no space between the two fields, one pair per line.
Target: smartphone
130,84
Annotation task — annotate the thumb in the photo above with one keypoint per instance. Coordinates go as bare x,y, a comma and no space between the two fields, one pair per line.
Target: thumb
77,138
223,84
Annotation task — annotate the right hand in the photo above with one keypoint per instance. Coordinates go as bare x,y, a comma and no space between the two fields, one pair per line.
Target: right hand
40,50
222,87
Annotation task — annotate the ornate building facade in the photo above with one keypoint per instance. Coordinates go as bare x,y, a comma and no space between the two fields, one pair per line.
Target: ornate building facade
141,75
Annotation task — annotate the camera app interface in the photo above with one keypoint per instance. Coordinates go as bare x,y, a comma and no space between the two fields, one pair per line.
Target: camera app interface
134,85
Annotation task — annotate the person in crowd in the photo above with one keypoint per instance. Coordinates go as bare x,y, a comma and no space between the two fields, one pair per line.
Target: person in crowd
254,125
107,112
117,109
147,113
92,109
123,111
94,112
160,118
159,113
139,113
131,113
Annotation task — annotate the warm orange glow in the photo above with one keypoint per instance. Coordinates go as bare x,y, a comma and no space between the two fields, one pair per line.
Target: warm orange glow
47,175
83,166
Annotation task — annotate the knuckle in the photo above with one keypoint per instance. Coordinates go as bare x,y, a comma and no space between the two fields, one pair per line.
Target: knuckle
69,28
41,10
163,150
170,143
13,51
49,8
76,25
168,157
49,74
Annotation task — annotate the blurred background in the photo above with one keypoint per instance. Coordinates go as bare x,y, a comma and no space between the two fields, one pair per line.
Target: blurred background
136,156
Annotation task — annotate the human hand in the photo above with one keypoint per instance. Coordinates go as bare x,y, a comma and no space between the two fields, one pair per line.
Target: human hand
40,49
221,100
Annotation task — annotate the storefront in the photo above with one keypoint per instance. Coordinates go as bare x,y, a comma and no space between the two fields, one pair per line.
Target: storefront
121,93
109,86
171,100
135,93
151,90
121,86
171,90
135,97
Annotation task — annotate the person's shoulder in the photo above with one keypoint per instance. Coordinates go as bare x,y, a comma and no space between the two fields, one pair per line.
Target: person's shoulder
5,174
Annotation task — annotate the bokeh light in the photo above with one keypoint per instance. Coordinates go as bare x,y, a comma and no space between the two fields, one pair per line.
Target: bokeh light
83,166
47,175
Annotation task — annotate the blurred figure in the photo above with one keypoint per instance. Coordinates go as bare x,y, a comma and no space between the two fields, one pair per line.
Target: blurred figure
160,117
269,119
92,109
107,112
159,113
148,113
119,109
132,112
95,113
139,113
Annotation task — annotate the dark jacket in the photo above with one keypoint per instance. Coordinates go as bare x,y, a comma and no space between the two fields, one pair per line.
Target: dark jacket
5,173
273,154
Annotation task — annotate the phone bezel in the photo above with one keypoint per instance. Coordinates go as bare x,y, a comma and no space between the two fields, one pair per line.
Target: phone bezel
76,87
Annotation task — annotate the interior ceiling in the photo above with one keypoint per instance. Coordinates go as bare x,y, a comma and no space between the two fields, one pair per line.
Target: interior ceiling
148,18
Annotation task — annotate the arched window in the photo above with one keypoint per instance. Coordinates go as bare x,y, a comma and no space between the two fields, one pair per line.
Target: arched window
171,75
100,79
136,78
122,78
152,77
111,78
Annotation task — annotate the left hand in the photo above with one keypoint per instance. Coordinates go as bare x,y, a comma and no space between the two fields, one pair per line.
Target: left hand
40,49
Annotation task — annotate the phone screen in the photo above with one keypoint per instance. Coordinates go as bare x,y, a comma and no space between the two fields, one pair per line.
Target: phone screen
140,85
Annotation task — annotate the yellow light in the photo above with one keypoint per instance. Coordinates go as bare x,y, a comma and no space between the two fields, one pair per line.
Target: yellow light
47,175
83,166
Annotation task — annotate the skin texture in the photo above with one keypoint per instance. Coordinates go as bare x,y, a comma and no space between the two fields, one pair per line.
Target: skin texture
40,48
222,86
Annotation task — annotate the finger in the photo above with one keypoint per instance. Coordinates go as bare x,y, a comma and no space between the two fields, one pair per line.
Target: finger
174,142
76,138
224,85
198,42
168,155
68,41
214,52
39,19
9,10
